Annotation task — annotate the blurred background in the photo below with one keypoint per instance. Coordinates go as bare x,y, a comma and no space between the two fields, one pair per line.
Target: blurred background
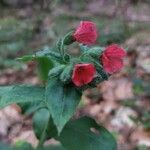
121,104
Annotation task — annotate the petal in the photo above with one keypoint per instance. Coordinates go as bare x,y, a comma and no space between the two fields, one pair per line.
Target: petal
83,74
115,51
86,33
112,65
86,38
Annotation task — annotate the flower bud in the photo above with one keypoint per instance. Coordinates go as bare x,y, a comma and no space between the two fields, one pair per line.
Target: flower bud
86,33
112,58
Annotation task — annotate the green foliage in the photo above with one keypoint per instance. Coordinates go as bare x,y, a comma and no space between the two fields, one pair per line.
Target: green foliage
49,52
54,147
46,53
68,38
44,65
21,145
93,57
94,52
43,125
40,123
29,108
53,106
61,101
20,94
86,134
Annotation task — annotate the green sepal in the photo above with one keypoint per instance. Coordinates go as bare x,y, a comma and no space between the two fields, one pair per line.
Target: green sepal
68,39
60,47
97,80
83,48
66,57
95,52
89,59
65,76
56,71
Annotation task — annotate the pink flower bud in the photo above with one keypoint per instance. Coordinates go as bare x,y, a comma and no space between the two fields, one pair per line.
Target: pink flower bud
86,33
112,58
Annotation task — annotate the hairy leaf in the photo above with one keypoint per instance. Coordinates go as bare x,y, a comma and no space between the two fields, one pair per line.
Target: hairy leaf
61,101
86,134
20,94
40,123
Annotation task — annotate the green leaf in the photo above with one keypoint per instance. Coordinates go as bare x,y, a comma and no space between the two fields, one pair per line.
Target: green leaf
40,123
86,134
44,127
48,52
51,130
26,58
21,145
20,94
44,65
61,101
45,52
30,107
54,147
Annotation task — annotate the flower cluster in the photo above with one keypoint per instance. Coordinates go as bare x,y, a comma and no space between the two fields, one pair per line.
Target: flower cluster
111,58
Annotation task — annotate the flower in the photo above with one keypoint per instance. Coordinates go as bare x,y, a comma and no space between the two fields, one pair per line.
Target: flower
83,74
112,58
86,33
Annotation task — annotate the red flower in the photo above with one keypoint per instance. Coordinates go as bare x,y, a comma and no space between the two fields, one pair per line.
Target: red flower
83,74
86,33
112,58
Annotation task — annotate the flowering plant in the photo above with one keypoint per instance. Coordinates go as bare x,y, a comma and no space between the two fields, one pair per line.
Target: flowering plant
66,77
